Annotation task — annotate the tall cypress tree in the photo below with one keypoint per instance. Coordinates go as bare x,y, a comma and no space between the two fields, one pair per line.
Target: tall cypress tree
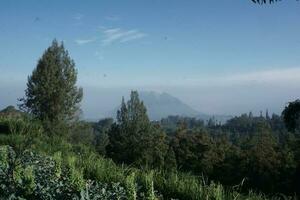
52,95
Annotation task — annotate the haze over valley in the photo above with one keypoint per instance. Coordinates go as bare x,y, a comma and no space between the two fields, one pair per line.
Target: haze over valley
211,97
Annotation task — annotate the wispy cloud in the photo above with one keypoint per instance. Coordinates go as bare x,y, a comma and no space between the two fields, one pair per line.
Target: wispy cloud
78,16
119,35
84,41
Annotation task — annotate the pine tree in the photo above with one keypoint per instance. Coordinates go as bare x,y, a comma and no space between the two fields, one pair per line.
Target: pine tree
51,95
133,139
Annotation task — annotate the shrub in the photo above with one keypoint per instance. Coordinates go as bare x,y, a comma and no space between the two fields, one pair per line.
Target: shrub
32,176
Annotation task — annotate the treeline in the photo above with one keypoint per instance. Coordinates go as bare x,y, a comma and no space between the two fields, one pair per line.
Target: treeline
258,151
262,153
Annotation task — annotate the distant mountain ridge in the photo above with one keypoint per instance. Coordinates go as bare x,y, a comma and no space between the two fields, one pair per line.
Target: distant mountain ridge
161,105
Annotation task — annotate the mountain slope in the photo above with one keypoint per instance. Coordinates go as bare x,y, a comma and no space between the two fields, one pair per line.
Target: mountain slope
160,105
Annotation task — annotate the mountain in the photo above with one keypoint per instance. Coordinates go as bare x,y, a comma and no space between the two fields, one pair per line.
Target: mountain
160,105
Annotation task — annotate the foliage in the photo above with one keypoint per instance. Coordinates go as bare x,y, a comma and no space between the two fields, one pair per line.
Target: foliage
291,115
170,160
101,130
133,129
82,132
32,176
51,95
20,125
171,123
61,170
194,151
131,186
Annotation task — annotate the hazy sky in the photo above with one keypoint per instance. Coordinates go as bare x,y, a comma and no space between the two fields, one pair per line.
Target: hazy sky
219,56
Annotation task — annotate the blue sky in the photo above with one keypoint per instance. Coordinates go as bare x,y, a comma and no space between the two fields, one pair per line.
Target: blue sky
166,45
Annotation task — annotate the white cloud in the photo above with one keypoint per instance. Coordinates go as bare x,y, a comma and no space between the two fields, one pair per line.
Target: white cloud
134,36
84,41
119,35
114,35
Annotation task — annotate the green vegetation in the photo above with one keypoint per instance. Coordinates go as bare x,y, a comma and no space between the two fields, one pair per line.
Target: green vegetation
48,167
47,153
133,129
51,95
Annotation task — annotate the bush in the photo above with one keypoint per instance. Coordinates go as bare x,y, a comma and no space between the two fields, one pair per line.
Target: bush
32,176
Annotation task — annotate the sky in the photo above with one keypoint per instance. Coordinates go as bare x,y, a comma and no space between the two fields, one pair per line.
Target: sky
218,56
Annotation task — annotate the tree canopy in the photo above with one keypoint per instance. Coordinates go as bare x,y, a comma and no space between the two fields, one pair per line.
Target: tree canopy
133,139
291,115
52,95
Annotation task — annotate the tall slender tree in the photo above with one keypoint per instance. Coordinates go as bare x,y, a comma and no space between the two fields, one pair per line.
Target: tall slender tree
52,95
133,139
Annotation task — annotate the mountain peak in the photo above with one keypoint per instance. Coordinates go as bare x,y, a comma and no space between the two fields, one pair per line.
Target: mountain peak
163,104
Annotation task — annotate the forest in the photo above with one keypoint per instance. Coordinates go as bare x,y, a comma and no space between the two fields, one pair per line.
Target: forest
48,152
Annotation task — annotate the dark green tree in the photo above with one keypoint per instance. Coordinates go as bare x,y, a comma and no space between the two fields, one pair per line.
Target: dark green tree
194,151
133,139
82,132
101,130
262,162
52,95
291,116
170,160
